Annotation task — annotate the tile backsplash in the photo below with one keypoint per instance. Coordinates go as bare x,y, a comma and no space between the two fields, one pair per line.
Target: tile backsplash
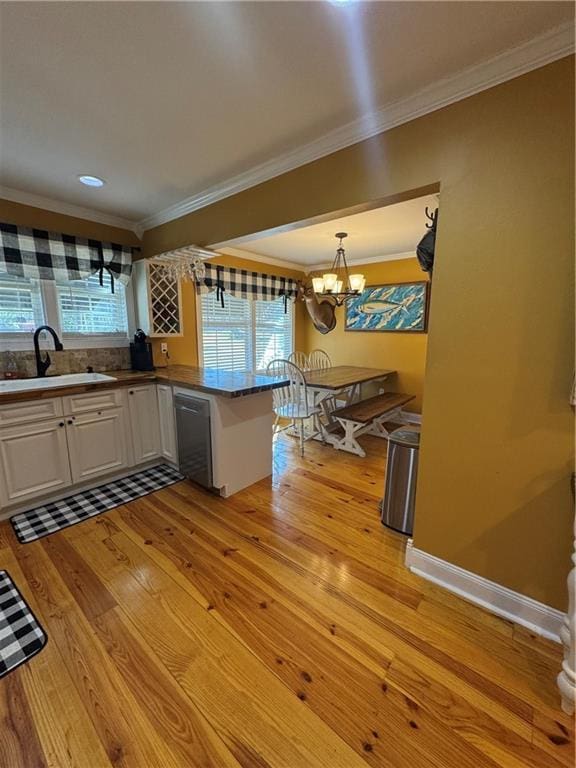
72,360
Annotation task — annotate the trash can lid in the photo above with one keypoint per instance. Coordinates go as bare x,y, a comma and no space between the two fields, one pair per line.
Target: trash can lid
407,436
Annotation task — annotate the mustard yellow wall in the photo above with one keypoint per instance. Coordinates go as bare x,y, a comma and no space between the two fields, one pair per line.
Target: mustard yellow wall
28,216
402,352
497,445
184,350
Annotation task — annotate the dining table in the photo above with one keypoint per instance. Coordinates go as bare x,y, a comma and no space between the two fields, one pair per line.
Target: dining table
326,385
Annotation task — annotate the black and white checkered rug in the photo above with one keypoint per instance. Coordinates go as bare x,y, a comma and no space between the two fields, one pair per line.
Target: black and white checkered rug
42,521
21,637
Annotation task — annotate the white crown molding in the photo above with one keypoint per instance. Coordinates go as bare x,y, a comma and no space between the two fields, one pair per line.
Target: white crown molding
544,49
520,609
367,260
241,254
57,206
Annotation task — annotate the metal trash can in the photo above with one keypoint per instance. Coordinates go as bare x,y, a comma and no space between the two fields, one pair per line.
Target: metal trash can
397,506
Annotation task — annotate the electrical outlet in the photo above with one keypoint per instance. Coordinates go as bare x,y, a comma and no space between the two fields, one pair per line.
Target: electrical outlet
164,347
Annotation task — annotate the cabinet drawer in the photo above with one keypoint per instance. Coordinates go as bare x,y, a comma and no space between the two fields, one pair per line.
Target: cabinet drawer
30,411
92,401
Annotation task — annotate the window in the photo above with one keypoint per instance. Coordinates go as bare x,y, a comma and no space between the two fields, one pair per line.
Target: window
86,307
244,335
21,308
272,331
82,311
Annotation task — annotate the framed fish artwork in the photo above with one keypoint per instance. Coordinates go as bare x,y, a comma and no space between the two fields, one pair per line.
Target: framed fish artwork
398,307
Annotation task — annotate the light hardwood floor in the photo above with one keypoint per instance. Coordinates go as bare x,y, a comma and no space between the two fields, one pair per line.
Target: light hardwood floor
278,629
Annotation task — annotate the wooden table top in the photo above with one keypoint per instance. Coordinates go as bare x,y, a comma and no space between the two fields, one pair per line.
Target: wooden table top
341,376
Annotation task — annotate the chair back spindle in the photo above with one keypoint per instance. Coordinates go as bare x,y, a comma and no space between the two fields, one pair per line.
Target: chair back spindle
318,360
300,359
295,393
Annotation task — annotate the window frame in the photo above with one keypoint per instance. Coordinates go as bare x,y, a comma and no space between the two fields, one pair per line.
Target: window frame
200,329
24,341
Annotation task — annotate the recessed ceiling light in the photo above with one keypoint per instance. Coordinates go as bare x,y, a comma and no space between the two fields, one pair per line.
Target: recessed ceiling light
91,181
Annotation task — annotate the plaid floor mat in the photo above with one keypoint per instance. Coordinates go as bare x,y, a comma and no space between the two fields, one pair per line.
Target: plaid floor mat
21,637
42,521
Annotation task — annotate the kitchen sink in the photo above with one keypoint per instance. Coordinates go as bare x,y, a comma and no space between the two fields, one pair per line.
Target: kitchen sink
67,380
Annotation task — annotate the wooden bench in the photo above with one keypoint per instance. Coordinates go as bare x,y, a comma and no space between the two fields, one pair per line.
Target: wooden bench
367,417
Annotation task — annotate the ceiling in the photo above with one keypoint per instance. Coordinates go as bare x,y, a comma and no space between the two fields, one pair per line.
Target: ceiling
379,235
168,100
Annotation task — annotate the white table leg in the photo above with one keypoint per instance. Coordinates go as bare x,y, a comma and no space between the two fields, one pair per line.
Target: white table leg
352,429
567,678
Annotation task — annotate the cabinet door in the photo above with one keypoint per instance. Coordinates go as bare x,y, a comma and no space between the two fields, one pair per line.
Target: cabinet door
33,461
97,444
167,426
143,409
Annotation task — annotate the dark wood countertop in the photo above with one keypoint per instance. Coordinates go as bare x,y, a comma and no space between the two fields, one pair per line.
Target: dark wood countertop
216,382
223,383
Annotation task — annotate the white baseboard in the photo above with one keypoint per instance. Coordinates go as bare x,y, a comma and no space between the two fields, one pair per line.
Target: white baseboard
539,618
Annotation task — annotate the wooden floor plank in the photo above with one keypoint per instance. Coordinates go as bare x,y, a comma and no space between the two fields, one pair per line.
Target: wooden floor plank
499,746
471,723
495,658
64,728
311,665
20,745
275,629
191,737
128,737
250,708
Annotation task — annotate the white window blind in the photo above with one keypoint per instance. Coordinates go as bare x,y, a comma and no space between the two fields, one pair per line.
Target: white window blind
20,304
244,335
86,307
272,332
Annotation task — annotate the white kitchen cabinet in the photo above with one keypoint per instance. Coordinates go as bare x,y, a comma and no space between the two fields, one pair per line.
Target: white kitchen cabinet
33,461
168,447
144,422
97,444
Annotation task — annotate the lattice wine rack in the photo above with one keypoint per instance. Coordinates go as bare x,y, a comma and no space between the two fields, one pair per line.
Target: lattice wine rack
164,302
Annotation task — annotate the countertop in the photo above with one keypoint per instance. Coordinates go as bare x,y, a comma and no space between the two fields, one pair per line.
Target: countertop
223,383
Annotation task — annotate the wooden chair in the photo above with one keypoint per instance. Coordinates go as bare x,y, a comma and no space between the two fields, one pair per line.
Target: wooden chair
300,359
291,402
318,360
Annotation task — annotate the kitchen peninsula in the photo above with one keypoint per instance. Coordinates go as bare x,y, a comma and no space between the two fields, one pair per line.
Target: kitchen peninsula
61,435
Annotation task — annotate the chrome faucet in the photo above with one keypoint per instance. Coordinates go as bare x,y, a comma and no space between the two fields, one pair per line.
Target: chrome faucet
43,365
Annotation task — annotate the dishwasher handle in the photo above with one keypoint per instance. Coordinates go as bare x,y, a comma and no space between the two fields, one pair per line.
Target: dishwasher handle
188,408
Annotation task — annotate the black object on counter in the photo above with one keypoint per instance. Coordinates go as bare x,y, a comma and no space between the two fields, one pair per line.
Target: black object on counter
141,352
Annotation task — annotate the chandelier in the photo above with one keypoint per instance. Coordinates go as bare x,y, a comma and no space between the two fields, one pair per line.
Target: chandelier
338,284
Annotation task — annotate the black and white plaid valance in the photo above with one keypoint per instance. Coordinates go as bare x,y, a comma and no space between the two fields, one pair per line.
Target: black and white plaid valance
43,255
244,284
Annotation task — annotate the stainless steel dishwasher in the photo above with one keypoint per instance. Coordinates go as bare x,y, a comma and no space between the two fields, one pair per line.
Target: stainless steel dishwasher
194,440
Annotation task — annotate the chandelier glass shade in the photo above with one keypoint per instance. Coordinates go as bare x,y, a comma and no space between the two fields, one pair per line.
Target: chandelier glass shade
339,284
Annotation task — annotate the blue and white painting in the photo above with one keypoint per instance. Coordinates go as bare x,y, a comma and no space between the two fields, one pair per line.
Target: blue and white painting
396,307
